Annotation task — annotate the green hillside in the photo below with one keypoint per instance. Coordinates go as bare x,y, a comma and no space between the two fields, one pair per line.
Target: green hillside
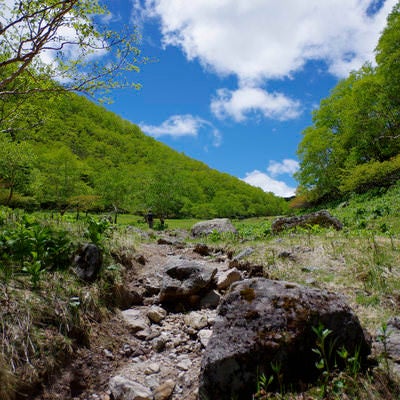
77,154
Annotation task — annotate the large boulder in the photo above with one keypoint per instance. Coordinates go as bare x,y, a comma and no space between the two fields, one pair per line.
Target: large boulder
261,323
186,282
219,225
88,261
322,218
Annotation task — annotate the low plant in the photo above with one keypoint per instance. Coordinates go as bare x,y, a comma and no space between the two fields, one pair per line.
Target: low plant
96,229
383,338
34,270
324,350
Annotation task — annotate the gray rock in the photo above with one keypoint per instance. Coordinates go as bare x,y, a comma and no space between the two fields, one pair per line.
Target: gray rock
210,300
88,262
204,336
125,389
185,281
226,278
135,320
261,322
165,390
321,218
391,338
184,364
220,225
196,320
156,314
245,253
152,368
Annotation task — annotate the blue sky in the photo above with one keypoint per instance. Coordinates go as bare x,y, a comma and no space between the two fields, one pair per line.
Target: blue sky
235,81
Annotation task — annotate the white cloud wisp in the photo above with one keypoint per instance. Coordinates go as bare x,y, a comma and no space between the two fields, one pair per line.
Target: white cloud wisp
268,184
240,103
178,126
287,166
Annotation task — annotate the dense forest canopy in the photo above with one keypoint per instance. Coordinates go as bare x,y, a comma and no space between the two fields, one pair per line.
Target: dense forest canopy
80,155
354,142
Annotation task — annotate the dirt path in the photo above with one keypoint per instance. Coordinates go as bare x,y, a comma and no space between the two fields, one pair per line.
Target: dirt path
171,351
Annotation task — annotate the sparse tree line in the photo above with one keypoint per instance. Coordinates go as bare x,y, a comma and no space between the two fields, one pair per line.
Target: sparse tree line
354,142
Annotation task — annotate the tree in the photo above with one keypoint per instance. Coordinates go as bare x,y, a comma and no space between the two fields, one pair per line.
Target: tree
114,187
58,178
162,193
388,55
64,41
16,161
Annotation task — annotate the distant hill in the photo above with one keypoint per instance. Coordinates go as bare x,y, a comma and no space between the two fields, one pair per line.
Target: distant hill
85,156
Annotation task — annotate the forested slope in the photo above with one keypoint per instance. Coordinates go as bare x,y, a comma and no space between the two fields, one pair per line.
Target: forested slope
74,153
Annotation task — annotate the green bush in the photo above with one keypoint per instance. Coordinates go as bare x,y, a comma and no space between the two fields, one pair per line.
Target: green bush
370,175
29,241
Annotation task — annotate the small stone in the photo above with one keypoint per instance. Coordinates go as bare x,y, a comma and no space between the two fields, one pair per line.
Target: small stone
156,314
135,320
159,344
225,279
125,389
204,336
152,368
144,334
164,391
108,354
210,300
196,320
185,364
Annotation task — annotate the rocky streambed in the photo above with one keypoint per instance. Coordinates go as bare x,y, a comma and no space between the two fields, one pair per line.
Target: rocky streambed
161,344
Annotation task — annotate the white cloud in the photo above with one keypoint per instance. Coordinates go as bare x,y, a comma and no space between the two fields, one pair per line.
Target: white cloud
268,184
182,125
263,39
240,103
287,166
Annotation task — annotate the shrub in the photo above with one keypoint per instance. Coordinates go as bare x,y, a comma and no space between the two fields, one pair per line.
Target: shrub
371,175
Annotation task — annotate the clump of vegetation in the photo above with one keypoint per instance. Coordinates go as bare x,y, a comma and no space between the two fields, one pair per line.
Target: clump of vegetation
46,312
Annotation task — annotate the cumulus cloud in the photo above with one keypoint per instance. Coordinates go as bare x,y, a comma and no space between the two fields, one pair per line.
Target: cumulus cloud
182,125
263,39
238,104
287,166
260,40
268,184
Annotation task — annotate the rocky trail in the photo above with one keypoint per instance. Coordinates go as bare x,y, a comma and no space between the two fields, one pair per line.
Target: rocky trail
166,340
144,349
